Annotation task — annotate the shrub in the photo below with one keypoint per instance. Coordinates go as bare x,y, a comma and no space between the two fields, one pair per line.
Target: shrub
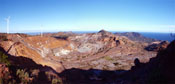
4,58
56,81
5,76
23,76
1,82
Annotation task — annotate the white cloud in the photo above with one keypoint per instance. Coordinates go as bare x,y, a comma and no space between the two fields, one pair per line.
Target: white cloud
171,26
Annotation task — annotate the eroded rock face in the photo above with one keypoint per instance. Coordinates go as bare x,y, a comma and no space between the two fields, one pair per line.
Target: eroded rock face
35,47
93,42
61,51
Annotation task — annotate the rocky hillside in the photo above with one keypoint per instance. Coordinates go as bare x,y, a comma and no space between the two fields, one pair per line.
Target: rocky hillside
159,70
95,58
102,50
22,70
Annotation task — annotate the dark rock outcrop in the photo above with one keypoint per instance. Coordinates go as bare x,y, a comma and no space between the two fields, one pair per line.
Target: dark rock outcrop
159,69
157,46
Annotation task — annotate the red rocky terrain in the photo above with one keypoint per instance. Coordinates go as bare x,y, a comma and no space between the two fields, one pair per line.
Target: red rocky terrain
89,52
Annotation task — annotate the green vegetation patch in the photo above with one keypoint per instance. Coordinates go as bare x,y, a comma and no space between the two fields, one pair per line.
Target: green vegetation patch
4,58
3,38
108,58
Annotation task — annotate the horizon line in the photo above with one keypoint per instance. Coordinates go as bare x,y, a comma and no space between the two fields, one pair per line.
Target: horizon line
90,31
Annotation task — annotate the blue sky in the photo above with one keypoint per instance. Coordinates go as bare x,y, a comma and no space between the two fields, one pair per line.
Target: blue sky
88,15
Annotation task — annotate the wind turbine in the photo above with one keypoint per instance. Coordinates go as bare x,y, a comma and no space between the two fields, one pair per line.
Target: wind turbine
172,34
8,21
41,31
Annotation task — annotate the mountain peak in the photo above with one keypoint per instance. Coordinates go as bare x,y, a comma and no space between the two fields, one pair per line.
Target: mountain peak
104,32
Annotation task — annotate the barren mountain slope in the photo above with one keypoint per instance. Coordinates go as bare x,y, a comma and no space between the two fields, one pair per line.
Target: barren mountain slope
102,50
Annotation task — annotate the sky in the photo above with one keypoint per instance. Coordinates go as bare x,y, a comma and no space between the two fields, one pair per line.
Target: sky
88,15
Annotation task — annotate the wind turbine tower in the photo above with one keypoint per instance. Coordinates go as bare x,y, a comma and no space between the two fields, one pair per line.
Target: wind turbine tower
41,32
8,21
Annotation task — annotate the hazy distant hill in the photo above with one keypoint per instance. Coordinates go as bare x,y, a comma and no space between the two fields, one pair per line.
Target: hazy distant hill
136,37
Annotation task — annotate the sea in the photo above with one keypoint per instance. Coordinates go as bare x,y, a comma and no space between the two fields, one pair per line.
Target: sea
158,36
154,35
